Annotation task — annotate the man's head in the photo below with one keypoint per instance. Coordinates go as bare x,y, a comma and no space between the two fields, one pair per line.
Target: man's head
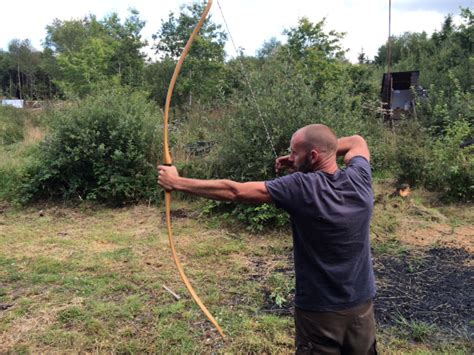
313,147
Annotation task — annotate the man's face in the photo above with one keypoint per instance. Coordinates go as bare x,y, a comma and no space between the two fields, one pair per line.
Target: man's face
300,155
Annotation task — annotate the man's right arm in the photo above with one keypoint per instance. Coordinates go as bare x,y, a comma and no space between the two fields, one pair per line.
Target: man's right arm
352,146
254,192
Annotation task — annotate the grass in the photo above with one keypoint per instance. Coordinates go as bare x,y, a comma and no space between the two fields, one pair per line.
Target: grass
417,331
19,135
90,279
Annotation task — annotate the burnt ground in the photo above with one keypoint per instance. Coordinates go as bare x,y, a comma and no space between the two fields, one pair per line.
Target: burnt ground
433,286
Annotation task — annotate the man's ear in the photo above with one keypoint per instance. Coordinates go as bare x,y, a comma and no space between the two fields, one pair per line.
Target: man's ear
314,156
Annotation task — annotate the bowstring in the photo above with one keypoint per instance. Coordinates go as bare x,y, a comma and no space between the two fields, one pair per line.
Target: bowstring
247,81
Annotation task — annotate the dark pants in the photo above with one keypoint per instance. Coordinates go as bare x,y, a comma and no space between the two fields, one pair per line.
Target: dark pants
350,331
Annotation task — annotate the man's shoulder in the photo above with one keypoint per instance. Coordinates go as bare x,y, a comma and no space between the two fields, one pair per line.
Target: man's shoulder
358,170
358,160
359,164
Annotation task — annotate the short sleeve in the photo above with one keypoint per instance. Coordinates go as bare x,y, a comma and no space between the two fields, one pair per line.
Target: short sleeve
359,166
285,191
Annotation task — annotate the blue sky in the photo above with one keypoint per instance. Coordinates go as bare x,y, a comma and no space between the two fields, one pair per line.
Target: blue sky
251,21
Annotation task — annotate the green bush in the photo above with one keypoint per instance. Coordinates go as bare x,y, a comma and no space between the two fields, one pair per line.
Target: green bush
15,148
102,148
288,100
14,162
452,168
12,125
412,153
257,218
437,163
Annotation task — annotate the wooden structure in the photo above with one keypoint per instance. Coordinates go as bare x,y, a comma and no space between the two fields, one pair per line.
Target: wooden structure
397,94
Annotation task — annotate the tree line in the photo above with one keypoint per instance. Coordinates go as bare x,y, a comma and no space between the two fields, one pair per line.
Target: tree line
79,54
104,146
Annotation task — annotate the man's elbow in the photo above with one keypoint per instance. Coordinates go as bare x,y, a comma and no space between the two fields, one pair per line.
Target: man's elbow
241,196
232,192
358,140
238,192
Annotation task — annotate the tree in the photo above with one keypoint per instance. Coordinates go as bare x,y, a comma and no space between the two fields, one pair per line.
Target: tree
309,39
445,54
127,58
24,69
318,55
174,33
91,51
24,73
5,73
396,51
268,48
362,57
202,75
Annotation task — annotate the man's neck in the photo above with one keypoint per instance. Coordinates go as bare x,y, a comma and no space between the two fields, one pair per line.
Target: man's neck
328,166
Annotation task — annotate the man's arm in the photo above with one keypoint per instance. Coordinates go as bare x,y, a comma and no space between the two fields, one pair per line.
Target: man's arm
352,146
225,190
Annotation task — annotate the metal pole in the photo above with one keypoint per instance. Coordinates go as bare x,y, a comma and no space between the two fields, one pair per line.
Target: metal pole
389,62
389,42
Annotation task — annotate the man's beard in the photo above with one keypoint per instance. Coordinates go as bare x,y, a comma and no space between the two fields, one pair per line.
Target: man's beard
306,166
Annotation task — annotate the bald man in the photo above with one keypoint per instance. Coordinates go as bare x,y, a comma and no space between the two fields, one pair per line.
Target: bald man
330,210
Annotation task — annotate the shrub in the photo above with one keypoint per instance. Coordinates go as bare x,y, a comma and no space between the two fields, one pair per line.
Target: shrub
14,161
288,100
102,148
12,125
412,153
451,169
257,218
437,163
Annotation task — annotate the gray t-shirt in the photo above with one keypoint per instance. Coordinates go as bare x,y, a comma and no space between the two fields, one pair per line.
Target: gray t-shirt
330,216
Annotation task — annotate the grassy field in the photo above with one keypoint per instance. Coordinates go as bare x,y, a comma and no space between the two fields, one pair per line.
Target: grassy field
90,280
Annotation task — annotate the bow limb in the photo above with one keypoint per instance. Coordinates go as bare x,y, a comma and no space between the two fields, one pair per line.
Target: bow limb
167,161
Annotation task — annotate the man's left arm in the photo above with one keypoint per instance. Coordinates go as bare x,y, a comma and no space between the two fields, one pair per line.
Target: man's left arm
254,192
352,146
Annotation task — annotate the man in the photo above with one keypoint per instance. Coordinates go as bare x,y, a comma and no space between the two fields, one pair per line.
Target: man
330,211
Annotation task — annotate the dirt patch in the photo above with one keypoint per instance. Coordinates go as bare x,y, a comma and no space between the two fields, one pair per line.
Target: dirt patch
439,234
178,213
101,246
4,206
424,285
21,329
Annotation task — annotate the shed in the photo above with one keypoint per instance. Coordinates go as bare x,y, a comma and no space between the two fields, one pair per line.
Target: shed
397,93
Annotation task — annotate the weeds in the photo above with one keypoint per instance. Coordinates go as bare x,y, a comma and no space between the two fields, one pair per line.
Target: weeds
90,280
418,331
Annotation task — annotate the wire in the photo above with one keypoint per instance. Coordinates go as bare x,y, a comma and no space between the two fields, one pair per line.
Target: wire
247,81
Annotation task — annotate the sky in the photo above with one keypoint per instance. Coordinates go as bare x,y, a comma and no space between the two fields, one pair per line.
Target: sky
251,22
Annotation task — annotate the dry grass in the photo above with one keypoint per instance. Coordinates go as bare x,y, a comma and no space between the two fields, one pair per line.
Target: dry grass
92,281
89,279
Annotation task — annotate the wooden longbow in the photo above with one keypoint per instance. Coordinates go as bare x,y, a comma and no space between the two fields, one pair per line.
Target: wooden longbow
168,161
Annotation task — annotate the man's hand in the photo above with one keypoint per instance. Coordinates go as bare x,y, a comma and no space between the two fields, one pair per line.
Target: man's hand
167,177
284,163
